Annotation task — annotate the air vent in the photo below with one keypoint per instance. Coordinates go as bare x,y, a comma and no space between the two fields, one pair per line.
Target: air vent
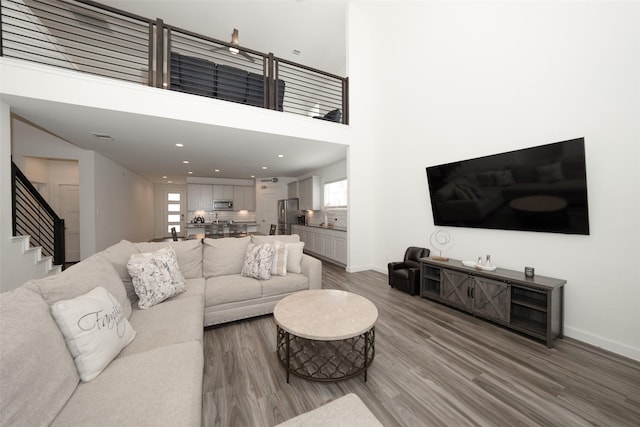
101,135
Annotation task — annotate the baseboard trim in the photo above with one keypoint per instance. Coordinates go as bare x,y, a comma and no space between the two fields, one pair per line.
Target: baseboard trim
603,343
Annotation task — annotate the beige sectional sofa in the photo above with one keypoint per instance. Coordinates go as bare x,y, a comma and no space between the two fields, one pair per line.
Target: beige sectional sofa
157,378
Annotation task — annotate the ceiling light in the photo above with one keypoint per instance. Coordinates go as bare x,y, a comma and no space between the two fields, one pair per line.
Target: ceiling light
164,177
179,145
186,162
253,176
169,182
234,50
280,155
216,170
264,168
190,173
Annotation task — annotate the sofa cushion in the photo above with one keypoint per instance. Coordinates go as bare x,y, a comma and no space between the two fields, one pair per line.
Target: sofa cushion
258,261
162,387
195,288
81,278
348,410
118,255
224,256
188,252
156,276
231,288
34,385
279,285
95,330
172,322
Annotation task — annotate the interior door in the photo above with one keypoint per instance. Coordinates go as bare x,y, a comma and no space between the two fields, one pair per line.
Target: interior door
269,211
69,210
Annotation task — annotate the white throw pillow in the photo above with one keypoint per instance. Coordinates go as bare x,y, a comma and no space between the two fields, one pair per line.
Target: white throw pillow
95,329
156,276
294,257
258,260
279,265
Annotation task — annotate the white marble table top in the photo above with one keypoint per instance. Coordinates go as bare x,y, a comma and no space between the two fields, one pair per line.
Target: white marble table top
325,314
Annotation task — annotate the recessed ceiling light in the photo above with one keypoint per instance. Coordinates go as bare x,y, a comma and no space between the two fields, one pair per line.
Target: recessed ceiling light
164,177
280,155
253,176
216,170
190,173
264,168
169,182
186,162
179,145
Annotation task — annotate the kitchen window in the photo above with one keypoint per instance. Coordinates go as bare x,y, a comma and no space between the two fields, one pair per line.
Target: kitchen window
335,194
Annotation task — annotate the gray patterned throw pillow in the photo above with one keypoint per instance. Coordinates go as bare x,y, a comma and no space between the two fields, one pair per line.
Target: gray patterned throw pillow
258,261
155,276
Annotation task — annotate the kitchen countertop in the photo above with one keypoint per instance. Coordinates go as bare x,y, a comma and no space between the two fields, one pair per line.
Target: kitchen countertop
325,228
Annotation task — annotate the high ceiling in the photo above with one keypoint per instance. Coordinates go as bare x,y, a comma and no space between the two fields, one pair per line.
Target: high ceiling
146,145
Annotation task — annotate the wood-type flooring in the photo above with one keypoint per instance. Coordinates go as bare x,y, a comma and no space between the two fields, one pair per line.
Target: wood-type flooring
434,366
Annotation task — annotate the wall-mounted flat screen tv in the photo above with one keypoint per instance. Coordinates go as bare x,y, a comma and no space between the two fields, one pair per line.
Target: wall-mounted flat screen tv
541,188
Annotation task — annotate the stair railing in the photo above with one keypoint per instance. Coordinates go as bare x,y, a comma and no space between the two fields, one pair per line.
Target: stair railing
34,217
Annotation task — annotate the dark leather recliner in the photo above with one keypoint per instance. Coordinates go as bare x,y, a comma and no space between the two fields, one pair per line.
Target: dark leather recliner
405,275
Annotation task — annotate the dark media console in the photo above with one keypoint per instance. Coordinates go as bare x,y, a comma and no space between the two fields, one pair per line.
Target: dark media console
532,306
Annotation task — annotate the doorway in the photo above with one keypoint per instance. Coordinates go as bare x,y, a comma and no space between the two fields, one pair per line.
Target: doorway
269,211
69,209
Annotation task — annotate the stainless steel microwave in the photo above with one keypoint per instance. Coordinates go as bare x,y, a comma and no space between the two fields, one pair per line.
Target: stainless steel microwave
223,205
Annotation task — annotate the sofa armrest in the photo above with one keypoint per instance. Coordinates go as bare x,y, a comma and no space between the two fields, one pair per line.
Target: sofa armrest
397,265
312,268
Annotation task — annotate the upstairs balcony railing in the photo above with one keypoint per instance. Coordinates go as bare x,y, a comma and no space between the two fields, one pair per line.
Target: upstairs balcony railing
88,37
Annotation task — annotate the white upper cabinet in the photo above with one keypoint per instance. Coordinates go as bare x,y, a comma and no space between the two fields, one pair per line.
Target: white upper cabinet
223,192
199,197
292,190
244,198
309,193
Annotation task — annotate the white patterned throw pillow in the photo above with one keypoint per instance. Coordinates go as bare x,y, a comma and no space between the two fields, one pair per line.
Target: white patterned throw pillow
258,261
95,329
156,276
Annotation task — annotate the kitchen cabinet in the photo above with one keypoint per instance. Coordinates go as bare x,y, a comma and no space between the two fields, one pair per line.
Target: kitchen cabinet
244,198
292,190
309,193
223,192
323,242
199,197
533,306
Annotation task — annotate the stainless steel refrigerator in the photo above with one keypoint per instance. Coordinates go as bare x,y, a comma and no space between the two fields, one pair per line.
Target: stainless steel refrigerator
287,215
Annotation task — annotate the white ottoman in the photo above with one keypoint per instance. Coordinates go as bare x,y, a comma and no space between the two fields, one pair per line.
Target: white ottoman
347,411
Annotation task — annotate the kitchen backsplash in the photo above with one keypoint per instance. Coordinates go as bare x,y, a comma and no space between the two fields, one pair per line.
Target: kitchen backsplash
236,216
337,217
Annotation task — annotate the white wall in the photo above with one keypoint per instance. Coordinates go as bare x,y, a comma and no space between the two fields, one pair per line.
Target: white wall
477,78
6,227
124,204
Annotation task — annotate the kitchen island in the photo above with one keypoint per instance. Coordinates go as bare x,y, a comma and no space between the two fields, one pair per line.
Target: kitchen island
221,229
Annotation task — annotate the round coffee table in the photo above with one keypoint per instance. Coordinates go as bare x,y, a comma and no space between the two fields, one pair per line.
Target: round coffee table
325,334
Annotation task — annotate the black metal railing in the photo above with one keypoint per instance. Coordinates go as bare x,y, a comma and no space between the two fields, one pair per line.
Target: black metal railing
86,36
33,217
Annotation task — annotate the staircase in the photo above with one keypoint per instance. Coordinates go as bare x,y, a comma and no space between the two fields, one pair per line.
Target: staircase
28,262
37,245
